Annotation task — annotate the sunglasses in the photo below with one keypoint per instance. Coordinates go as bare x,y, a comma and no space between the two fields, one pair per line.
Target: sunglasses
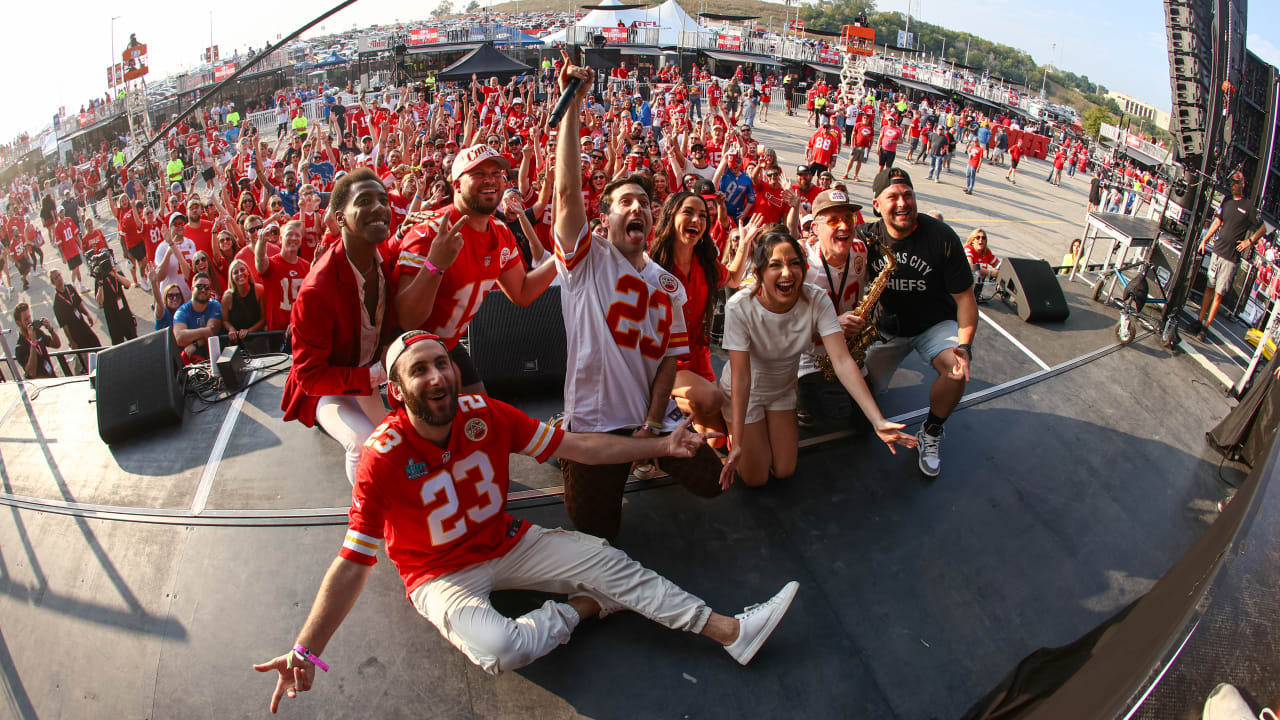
836,220
174,296
276,204
597,177
273,231
254,229
203,286
773,174
979,237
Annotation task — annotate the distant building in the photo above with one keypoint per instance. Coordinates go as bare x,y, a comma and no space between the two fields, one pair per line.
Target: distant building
1140,109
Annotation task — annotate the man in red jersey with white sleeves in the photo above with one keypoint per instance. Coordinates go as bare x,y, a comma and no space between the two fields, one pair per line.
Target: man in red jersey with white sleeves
625,330
432,486
446,264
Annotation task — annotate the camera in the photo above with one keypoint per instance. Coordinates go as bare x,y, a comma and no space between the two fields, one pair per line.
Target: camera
101,264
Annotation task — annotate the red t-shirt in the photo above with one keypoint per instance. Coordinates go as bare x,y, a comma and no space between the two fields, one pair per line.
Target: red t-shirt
281,282
862,134
201,235
975,155
247,255
484,256
769,204
986,257
441,510
695,288
94,241
889,137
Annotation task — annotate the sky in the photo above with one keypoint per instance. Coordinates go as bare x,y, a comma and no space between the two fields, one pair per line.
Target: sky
1119,43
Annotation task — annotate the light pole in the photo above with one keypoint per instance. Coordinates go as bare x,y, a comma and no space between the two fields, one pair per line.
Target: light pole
112,67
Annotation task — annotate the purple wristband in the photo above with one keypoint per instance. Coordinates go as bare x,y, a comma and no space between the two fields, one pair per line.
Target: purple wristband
305,654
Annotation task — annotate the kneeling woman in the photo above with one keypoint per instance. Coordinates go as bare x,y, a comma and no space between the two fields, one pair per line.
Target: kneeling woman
337,323
766,329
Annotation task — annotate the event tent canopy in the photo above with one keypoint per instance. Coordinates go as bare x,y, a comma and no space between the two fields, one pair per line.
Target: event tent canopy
484,62
669,17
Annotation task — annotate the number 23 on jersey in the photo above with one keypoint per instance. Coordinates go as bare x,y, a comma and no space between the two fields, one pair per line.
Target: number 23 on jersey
636,310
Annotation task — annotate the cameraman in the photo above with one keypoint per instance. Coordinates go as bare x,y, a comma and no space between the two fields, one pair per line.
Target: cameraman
34,341
74,318
108,290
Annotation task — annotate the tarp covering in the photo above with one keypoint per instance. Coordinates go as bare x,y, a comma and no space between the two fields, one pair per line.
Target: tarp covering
669,17
732,18
484,62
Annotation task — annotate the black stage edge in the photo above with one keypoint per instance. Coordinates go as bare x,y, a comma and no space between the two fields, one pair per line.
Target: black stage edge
1209,619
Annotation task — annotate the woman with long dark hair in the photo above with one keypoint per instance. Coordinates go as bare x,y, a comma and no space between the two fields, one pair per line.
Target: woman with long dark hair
682,244
766,329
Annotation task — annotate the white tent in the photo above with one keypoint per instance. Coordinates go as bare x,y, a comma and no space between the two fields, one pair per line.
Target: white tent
671,20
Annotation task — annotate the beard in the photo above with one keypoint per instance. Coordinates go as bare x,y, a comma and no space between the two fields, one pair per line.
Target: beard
477,205
420,407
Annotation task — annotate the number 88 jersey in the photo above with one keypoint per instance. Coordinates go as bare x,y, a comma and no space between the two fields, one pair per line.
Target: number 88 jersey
440,510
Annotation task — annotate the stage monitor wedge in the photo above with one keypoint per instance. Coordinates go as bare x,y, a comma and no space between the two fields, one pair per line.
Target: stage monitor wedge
140,387
1033,290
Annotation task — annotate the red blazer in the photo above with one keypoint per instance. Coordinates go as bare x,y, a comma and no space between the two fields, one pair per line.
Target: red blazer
326,331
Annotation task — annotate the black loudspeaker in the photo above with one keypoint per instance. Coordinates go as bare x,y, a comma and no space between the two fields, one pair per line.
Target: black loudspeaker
1033,289
519,345
602,58
140,386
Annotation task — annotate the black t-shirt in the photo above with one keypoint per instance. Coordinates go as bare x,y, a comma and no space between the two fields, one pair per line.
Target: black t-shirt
44,365
937,141
522,242
66,303
1239,217
931,268
114,302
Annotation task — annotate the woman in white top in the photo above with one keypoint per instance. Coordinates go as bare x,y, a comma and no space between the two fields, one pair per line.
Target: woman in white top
766,329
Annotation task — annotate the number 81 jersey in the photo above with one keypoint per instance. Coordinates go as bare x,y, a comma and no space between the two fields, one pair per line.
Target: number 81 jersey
440,510
620,323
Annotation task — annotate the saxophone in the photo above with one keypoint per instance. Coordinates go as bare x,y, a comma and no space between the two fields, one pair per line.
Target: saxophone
859,342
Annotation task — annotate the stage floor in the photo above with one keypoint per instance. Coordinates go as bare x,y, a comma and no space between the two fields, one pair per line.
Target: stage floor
143,580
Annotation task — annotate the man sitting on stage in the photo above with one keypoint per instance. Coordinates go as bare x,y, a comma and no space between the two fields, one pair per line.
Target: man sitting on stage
433,483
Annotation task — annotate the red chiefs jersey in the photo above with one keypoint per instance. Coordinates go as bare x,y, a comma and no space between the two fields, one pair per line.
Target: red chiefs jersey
714,151
68,238
484,256
282,281
441,510
823,146
312,230
127,222
94,241
153,237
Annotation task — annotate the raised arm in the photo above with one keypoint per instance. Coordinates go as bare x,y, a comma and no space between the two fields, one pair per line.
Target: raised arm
570,211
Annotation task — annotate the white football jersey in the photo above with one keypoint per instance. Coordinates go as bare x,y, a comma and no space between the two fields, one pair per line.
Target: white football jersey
620,324
855,284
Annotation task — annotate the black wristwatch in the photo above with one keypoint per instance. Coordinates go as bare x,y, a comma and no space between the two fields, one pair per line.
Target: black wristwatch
968,349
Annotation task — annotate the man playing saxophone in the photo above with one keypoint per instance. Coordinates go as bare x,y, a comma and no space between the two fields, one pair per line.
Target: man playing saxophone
928,305
838,266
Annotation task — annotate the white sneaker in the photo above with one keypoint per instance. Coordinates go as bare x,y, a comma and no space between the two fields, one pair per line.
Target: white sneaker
930,453
756,622
145,285
1226,703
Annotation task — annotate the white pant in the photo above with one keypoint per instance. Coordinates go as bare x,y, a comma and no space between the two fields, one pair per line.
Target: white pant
556,561
350,419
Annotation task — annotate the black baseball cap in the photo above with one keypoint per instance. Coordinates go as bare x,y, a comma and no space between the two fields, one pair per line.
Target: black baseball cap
887,177
804,170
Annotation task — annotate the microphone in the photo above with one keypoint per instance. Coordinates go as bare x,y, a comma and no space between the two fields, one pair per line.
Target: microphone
562,106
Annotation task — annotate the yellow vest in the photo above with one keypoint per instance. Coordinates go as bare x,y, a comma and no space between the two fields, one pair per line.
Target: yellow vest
300,124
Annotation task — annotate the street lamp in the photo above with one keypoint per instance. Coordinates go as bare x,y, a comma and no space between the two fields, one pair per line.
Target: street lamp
112,67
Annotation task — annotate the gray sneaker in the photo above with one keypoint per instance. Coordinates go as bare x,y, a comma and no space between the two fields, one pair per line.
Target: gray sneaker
756,622
930,453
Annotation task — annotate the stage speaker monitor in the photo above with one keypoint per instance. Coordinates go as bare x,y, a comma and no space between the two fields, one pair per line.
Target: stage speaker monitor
1033,289
140,387
513,345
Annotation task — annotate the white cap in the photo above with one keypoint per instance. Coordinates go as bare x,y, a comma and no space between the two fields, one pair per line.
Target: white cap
473,156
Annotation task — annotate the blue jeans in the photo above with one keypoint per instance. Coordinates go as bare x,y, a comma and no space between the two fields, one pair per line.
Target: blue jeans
935,167
971,176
